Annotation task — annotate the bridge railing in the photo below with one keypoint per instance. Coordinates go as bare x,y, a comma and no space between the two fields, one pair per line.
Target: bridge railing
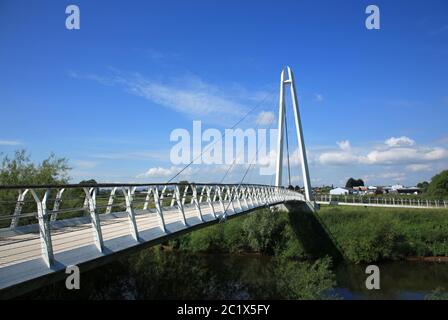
48,212
385,201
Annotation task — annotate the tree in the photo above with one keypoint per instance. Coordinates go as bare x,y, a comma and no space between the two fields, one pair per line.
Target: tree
182,185
438,187
354,183
19,170
423,186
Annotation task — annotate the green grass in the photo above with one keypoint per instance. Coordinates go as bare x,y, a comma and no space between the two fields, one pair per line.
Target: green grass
367,234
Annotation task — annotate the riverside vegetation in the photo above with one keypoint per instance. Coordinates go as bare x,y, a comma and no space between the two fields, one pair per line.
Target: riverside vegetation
302,249
267,255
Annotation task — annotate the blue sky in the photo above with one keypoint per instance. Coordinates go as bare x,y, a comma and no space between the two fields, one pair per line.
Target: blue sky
374,103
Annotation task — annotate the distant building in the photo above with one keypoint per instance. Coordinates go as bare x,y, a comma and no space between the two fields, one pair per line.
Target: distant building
339,191
409,190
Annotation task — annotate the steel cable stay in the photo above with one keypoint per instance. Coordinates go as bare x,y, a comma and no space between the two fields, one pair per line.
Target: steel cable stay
244,176
287,149
234,160
221,138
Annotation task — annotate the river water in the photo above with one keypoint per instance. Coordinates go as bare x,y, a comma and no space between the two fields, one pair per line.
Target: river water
175,275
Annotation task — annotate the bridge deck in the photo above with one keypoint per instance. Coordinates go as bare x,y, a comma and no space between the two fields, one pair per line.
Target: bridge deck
20,250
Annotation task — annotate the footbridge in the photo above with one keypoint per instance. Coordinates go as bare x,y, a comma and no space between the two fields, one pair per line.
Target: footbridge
44,229
54,227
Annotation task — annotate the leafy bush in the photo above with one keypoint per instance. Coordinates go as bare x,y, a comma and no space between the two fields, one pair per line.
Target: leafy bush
305,280
264,230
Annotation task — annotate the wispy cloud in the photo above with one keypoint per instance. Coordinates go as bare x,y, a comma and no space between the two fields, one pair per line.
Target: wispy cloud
395,151
265,118
399,142
161,172
84,164
10,142
437,31
318,97
133,155
189,95
418,167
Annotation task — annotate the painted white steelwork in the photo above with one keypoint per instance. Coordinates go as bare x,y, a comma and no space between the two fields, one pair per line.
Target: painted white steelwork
95,221
281,124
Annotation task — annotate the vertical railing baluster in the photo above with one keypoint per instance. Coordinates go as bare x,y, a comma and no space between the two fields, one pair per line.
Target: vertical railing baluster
110,202
230,198
221,202
147,198
209,200
196,202
159,208
57,204
180,207
44,227
18,208
129,198
94,218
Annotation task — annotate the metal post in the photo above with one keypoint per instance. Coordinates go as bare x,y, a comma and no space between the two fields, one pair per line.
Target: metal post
148,196
180,207
196,202
128,196
159,208
18,209
281,123
300,138
238,196
184,197
230,197
224,212
110,202
44,228
244,195
57,204
209,200
95,220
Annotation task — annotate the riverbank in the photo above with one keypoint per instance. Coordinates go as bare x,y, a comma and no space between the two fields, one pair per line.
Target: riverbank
350,234
366,235
280,255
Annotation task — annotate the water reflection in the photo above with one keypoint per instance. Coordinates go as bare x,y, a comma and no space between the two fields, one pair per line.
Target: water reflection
159,274
399,280
162,274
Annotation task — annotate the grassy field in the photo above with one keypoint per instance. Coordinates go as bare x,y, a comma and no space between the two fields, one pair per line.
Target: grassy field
356,234
367,234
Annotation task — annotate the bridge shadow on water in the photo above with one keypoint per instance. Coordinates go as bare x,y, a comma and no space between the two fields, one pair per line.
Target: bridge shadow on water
313,234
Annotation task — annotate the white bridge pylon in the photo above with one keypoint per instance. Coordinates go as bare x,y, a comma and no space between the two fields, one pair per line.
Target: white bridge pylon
281,125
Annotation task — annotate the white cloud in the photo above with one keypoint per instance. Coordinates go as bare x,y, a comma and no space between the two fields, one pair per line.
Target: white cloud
10,143
318,97
161,172
394,176
418,167
338,158
265,118
400,151
344,145
162,155
84,164
400,141
189,95
342,157
404,155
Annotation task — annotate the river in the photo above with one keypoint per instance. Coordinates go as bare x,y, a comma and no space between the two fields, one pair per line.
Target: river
163,274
